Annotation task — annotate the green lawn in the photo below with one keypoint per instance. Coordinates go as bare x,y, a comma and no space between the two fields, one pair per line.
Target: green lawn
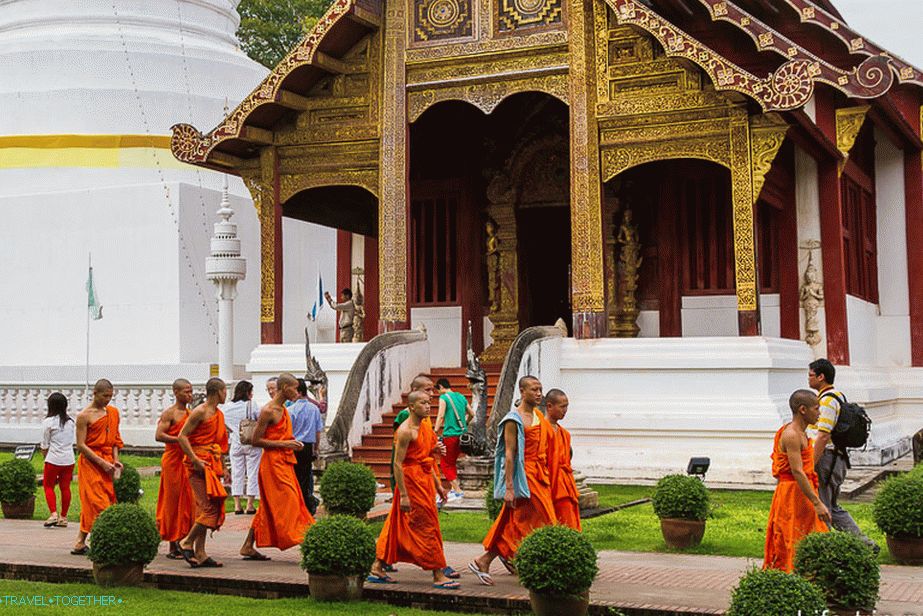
38,462
154,602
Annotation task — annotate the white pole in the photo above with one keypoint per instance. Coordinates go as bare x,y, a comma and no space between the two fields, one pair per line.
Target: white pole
226,295
86,386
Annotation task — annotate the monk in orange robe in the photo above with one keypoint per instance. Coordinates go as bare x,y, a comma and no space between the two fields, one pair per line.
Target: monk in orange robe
98,441
796,509
411,532
564,492
525,445
282,517
203,438
175,503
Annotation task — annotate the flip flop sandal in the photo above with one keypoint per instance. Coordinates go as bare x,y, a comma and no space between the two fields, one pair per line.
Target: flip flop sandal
238,512
257,556
449,585
250,511
389,568
509,566
80,551
175,555
451,573
208,562
188,556
483,577
380,579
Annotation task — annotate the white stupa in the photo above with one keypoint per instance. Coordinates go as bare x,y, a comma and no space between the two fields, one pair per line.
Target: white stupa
88,93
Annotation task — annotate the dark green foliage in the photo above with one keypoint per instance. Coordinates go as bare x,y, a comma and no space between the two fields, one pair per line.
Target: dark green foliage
492,505
842,566
128,486
123,534
763,592
898,508
17,481
681,496
556,560
348,488
269,29
338,545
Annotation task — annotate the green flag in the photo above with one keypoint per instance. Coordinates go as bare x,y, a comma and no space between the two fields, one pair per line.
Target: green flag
93,305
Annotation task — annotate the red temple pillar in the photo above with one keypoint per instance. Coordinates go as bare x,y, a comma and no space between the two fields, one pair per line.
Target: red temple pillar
913,188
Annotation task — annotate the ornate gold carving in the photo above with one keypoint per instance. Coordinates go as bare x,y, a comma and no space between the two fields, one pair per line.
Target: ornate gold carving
767,134
742,208
505,318
438,20
261,188
629,265
513,15
492,256
486,96
849,121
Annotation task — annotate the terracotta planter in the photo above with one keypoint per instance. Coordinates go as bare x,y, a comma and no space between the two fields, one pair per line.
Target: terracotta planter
906,550
19,511
682,534
131,574
553,605
335,587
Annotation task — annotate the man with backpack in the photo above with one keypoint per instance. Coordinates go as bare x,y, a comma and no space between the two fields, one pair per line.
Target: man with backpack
451,423
841,425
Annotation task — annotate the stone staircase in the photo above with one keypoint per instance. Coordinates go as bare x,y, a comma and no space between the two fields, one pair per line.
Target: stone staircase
375,450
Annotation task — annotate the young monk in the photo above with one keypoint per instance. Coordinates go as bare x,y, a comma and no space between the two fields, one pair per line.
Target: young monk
411,532
564,493
203,438
282,518
521,480
98,441
175,503
796,508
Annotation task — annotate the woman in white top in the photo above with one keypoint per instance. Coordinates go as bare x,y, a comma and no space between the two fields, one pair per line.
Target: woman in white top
245,459
58,438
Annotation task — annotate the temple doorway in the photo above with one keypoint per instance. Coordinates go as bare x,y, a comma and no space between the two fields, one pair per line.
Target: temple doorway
544,243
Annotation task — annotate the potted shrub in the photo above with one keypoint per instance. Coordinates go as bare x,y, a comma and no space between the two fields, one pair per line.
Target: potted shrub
337,553
128,486
769,591
842,566
124,539
17,489
348,489
898,511
491,504
557,565
681,503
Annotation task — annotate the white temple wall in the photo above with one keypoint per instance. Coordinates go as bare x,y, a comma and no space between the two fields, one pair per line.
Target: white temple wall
307,248
807,203
444,330
716,315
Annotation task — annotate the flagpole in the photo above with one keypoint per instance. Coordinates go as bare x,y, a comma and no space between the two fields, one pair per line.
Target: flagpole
86,386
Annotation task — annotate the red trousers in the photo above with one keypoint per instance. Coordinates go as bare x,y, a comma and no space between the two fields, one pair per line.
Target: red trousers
449,461
61,476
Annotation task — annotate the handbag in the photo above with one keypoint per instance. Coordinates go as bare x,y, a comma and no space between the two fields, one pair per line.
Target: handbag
246,427
468,442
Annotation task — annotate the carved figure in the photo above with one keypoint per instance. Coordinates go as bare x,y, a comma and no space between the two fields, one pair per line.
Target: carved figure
629,266
812,296
493,266
359,316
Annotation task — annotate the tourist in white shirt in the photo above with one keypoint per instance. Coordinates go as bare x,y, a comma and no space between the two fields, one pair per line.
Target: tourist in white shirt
245,459
58,438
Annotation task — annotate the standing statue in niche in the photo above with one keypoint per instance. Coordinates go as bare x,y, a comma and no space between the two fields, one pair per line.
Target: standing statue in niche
812,296
628,270
359,316
493,266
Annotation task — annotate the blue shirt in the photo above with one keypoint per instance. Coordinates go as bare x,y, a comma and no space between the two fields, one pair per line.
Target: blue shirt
306,421
520,483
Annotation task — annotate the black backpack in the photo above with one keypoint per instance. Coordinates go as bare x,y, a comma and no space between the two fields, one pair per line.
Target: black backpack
852,426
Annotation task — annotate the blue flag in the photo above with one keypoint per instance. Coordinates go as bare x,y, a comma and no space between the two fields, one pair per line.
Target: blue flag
93,305
319,302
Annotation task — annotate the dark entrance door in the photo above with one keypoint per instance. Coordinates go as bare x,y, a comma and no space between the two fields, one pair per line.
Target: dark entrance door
544,263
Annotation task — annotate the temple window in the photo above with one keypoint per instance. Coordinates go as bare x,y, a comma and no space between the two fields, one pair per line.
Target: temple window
433,231
859,230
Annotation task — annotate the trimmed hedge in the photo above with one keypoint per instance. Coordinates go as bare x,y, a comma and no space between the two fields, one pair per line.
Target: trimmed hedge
491,504
349,489
682,497
128,486
762,592
842,566
124,534
338,545
556,560
898,507
17,481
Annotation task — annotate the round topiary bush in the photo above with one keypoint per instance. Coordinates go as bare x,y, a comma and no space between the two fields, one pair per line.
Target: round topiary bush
898,508
682,497
338,545
128,486
842,566
768,591
491,504
124,534
557,561
348,488
17,481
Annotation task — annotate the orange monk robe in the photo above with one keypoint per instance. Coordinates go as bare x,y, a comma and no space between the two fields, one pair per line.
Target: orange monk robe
209,440
414,536
282,519
564,492
95,486
514,524
175,502
791,515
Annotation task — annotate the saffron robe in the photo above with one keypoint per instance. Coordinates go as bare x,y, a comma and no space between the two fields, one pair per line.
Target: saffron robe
175,502
514,524
414,536
209,440
564,493
791,515
94,485
282,518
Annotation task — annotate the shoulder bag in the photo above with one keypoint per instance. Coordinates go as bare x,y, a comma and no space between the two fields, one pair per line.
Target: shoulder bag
247,427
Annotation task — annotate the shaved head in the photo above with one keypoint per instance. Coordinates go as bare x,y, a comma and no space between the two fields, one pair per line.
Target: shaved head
286,380
213,386
524,381
102,385
180,384
802,397
554,396
416,396
420,383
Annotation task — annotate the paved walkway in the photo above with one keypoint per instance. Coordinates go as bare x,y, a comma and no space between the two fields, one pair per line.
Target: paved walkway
640,583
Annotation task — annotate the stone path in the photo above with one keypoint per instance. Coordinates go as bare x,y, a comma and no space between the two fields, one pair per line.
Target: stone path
634,582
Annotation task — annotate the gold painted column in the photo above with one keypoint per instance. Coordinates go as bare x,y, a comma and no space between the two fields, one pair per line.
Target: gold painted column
502,269
742,200
392,207
588,295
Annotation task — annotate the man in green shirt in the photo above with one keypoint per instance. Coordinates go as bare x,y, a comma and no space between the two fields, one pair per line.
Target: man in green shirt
451,423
